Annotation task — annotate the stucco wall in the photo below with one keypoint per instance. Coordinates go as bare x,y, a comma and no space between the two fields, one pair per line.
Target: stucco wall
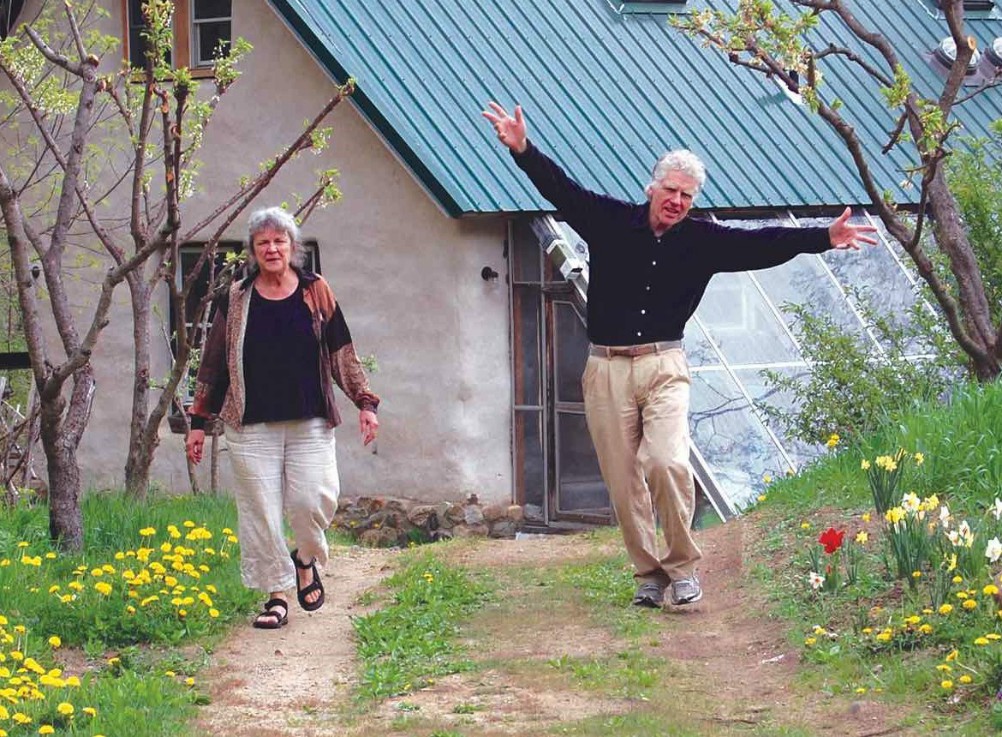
407,276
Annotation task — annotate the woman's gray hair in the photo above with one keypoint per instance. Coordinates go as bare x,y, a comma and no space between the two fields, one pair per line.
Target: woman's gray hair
680,160
274,218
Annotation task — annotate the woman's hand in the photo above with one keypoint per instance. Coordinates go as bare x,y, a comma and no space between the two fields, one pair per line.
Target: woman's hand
194,444
369,425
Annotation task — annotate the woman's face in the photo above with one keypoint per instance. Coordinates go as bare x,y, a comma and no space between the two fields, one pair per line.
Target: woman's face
273,251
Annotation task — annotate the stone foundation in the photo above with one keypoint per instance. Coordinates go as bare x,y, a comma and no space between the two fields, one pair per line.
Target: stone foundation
379,522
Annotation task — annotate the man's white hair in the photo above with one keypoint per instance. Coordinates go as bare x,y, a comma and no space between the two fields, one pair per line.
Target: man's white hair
680,160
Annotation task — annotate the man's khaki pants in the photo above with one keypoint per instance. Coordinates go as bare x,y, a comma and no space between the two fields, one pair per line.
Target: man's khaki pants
637,412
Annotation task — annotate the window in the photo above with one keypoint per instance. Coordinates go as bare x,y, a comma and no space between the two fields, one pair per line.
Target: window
210,30
201,29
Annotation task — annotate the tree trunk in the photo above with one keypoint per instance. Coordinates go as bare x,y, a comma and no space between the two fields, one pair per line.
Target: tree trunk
141,448
61,433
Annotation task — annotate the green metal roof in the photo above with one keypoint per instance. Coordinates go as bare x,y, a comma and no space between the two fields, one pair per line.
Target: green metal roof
606,92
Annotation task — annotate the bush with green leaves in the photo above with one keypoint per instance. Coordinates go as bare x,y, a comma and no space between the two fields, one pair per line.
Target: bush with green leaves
850,388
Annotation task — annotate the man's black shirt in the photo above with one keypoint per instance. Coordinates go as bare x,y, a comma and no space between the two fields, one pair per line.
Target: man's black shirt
642,288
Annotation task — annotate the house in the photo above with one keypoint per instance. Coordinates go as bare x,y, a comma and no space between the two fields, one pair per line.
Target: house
438,251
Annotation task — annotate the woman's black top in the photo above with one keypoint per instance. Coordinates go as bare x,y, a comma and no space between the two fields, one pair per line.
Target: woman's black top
281,361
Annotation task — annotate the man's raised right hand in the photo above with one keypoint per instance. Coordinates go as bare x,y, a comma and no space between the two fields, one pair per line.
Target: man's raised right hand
510,131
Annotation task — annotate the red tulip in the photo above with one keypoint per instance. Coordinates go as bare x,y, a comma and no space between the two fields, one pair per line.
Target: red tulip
831,539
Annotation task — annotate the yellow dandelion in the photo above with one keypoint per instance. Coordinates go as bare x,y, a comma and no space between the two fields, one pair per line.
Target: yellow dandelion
46,729
944,668
919,459
970,604
54,641
89,711
866,516
965,678
811,641
945,609
990,590
981,641
862,537
65,708
957,579
946,685
805,525
952,655
916,574
833,440
761,497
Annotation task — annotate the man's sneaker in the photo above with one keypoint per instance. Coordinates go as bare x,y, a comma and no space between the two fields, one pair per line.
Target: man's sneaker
686,591
650,594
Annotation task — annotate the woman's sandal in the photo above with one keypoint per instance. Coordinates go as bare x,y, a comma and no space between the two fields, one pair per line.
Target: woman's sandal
314,585
269,618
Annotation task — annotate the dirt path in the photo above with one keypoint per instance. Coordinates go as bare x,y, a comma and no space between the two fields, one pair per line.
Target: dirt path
731,664
268,683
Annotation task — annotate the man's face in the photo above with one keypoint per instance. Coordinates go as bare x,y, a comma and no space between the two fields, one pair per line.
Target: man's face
671,199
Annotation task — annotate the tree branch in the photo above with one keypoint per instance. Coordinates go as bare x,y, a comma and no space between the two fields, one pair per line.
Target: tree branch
247,193
60,60
16,237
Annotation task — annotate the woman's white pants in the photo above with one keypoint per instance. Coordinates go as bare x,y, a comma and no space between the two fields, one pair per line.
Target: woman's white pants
282,467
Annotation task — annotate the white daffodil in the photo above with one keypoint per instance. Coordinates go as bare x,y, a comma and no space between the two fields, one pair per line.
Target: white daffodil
993,551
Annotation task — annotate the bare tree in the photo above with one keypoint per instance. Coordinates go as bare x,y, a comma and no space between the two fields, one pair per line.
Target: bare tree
55,212
761,37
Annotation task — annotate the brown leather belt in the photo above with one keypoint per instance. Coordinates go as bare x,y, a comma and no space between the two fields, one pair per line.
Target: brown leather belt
632,351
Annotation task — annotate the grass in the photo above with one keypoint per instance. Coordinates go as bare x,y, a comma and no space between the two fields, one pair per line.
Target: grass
146,582
412,640
922,621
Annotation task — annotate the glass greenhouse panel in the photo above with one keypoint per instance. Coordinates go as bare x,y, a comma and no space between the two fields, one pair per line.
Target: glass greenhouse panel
875,273
739,320
763,392
698,349
731,437
806,281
